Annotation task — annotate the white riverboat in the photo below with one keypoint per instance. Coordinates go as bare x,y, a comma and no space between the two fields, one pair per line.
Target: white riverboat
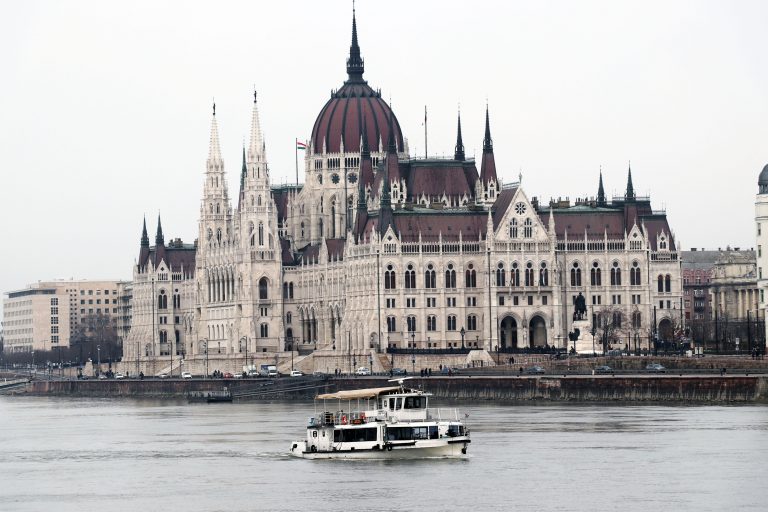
382,423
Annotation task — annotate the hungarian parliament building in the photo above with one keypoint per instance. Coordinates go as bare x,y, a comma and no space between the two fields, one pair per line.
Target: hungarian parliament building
378,250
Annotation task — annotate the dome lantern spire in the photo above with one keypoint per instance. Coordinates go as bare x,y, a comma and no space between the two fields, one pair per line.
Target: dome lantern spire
355,63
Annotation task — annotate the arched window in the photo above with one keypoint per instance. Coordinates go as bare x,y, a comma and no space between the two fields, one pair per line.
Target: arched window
450,277
528,228
529,275
218,235
595,278
410,277
320,227
176,300
429,277
210,233
162,300
218,206
501,275
258,201
288,317
576,275
470,277
389,278
617,319
302,230
471,322
450,324
543,275
663,243
514,275
668,283
615,274
411,321
264,330
391,324
636,320
634,274
261,234
333,218
263,288
431,323
211,208
513,228
285,290
163,337
290,290
251,235
660,282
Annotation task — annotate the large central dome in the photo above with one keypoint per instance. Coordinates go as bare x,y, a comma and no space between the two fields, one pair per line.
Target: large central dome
341,119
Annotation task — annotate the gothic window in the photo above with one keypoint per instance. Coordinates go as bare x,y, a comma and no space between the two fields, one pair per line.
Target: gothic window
264,330
543,275
410,277
668,283
660,282
529,274
663,243
162,300
261,234
252,202
251,235
210,233
218,235
290,290
163,337
595,278
391,324
636,320
411,320
218,207
263,283
431,323
514,275
576,275
288,317
389,278
258,201
501,275
513,228
520,208
333,218
429,277
320,225
451,323
471,322
211,208
450,277
470,277
634,274
302,230
285,290
617,319
528,228
616,274
176,300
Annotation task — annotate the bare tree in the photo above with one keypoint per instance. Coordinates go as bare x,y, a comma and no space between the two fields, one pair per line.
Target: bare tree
610,326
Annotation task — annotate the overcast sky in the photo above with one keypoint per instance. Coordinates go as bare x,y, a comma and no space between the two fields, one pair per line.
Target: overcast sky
106,107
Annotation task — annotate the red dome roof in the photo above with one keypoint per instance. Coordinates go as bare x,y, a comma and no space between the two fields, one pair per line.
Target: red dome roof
342,116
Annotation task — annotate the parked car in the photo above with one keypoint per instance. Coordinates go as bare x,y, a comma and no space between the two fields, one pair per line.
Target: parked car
363,371
399,371
186,375
228,375
655,368
102,376
296,373
119,376
535,370
604,369
163,376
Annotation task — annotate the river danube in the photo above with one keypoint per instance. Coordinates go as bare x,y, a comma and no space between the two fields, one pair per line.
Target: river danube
125,455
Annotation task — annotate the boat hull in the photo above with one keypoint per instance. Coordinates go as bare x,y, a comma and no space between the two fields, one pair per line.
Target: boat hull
456,448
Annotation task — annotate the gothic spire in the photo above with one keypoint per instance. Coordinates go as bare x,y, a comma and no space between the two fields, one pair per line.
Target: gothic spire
214,151
159,240
144,236
630,194
488,165
487,142
601,191
365,150
243,172
355,65
459,155
256,146
391,142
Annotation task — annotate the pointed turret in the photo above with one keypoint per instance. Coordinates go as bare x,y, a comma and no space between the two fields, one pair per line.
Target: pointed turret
630,193
159,239
144,236
256,146
355,64
214,151
365,178
243,174
488,165
459,155
601,192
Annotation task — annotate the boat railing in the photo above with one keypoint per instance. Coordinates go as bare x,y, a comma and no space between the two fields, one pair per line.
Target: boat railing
329,419
443,414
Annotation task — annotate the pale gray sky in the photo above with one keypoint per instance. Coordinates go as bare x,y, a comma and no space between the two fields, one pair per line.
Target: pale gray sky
106,107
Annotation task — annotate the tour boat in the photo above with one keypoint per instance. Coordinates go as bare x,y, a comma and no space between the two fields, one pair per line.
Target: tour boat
389,422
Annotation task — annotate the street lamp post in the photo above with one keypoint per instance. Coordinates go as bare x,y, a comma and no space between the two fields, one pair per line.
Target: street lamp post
413,351
462,332
205,347
98,355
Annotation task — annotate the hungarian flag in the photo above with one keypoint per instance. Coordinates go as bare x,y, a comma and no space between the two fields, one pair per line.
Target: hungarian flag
301,145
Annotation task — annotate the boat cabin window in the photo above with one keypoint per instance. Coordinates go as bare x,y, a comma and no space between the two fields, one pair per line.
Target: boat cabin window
455,430
414,402
395,404
411,433
314,433
354,435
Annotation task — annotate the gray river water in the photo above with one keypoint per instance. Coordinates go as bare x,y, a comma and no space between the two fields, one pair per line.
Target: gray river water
125,455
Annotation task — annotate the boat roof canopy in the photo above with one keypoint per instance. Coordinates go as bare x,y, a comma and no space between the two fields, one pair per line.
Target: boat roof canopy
354,394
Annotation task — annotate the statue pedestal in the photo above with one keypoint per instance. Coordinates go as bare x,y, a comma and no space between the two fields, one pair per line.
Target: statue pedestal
584,345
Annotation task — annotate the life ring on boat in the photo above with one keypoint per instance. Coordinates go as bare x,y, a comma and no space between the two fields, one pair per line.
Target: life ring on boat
343,419
313,448
389,447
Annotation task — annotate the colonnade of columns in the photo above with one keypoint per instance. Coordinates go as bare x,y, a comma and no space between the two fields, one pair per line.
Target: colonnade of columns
221,288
